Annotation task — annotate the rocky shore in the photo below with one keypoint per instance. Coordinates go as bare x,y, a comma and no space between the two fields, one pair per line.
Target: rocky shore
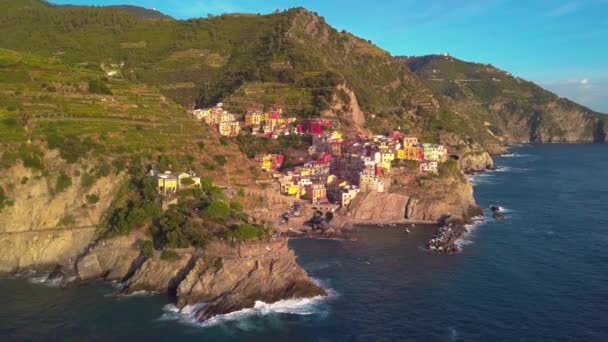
450,231
226,276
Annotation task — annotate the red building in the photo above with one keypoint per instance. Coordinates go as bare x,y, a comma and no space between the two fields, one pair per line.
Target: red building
313,126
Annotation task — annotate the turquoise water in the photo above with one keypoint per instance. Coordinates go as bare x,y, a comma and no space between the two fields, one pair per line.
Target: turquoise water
541,274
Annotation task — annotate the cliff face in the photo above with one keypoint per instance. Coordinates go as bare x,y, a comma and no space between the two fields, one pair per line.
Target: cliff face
476,161
44,227
412,198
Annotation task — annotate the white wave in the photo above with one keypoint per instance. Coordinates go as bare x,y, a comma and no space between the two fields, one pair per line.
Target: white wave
44,280
141,293
471,227
295,306
516,155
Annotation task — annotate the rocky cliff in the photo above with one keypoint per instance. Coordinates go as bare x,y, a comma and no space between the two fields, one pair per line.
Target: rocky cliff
227,277
44,226
413,198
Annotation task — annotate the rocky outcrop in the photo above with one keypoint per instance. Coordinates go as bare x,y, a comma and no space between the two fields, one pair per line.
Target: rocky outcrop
158,275
112,259
228,285
227,277
476,161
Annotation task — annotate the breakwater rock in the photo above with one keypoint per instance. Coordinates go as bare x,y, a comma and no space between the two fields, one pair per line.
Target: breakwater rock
448,234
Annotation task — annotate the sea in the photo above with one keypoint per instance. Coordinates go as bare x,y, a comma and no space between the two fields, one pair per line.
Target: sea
541,274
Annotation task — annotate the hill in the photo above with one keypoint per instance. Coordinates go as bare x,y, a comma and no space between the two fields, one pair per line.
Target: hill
141,12
292,59
514,109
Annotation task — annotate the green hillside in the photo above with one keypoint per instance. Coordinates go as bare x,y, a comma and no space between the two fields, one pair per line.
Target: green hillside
518,110
294,57
77,110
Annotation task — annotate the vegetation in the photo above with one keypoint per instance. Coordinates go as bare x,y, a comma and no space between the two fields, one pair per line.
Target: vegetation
247,231
63,183
3,199
169,255
92,199
98,87
147,247
450,169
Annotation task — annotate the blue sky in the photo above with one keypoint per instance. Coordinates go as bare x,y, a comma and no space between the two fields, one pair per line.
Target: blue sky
560,44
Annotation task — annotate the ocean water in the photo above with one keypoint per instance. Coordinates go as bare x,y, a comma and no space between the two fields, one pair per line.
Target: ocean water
539,275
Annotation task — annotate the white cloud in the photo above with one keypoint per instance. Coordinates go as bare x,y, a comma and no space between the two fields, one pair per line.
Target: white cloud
565,9
584,81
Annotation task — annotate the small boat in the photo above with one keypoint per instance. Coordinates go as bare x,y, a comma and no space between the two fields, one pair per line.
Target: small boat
407,230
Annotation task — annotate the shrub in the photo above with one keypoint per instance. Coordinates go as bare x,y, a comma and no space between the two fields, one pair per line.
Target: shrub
169,255
208,166
217,210
31,157
8,159
247,232
147,247
236,206
92,198
67,221
63,183
24,180
220,159
329,216
187,181
3,198
87,180
98,87
218,263
201,145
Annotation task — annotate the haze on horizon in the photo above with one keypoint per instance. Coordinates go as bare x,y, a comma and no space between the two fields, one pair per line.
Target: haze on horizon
559,44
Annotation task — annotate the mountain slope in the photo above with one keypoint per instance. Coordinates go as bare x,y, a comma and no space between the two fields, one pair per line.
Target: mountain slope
293,59
514,109
141,12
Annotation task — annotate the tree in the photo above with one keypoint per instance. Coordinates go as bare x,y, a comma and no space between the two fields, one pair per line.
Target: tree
218,210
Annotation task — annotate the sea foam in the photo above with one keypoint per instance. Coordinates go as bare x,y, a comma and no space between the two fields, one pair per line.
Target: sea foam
294,306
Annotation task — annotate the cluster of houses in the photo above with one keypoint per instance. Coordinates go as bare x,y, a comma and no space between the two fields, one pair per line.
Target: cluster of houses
269,125
224,121
263,124
338,169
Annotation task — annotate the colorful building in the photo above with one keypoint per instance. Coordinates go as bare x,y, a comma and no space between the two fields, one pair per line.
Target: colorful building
429,167
348,194
410,141
229,128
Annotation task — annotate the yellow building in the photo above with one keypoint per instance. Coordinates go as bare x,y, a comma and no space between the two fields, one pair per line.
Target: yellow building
253,119
229,128
401,155
388,157
410,141
289,189
167,183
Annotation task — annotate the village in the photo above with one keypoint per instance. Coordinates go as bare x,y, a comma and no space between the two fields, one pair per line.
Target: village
336,168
